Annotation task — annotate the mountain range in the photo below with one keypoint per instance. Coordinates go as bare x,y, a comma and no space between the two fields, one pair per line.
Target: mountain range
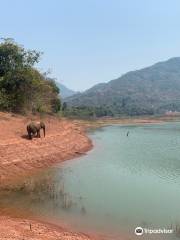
151,90
64,91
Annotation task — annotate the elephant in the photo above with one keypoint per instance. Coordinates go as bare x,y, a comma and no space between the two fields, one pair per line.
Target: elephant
34,128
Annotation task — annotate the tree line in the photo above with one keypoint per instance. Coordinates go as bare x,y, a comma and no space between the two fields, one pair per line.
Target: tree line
93,112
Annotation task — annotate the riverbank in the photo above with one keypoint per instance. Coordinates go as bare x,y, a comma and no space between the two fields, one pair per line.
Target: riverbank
20,157
107,121
19,229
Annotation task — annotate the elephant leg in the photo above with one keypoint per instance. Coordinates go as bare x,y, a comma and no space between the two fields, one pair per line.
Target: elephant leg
38,134
29,134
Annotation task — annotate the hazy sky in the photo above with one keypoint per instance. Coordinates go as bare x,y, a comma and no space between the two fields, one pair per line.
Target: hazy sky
90,41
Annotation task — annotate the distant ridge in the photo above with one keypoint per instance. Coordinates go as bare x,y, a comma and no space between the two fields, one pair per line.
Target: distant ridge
64,91
151,90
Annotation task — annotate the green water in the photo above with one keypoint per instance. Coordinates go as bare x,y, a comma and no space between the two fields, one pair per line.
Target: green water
124,182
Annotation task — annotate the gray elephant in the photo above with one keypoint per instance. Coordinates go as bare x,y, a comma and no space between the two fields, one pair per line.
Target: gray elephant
34,128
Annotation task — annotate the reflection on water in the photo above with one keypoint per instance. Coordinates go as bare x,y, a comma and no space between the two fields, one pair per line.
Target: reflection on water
127,180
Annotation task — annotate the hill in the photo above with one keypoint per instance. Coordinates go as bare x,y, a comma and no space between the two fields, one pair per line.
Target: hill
151,90
64,91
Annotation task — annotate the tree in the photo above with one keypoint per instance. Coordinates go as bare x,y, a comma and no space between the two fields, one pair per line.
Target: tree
14,57
64,106
22,87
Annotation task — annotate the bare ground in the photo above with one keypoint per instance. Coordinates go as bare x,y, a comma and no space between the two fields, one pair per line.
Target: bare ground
20,157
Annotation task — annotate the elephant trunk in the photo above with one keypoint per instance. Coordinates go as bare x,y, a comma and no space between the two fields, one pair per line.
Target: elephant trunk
42,125
44,130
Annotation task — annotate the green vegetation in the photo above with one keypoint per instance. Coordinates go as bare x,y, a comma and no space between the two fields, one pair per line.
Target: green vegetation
86,112
22,87
149,91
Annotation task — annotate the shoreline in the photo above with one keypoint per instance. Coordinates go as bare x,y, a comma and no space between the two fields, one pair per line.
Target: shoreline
19,158
103,122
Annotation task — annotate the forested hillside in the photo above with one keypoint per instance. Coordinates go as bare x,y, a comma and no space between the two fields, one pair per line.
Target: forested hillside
155,89
22,87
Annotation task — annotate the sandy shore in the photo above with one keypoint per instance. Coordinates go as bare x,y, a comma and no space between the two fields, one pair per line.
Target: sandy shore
20,157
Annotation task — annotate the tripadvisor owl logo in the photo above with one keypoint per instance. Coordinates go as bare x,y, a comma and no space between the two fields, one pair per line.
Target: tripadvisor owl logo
139,231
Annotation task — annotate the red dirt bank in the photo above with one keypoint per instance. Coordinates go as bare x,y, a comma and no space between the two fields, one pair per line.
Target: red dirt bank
20,156
19,229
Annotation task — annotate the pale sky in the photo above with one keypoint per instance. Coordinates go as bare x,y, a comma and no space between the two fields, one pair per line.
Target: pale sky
91,41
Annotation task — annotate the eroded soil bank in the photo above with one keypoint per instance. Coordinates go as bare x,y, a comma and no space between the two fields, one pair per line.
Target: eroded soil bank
20,157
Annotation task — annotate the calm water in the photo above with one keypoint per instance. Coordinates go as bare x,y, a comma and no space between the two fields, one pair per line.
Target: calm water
124,182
